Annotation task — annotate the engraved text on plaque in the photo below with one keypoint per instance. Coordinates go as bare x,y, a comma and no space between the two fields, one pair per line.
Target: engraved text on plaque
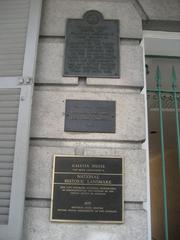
92,46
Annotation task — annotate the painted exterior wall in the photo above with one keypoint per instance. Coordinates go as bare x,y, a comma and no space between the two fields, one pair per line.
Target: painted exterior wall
47,127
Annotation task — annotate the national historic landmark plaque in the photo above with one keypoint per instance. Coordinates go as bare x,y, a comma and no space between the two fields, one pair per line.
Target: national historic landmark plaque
92,46
87,189
90,116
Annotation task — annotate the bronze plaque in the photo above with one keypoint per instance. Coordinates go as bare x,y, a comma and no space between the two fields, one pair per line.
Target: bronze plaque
87,189
92,46
90,116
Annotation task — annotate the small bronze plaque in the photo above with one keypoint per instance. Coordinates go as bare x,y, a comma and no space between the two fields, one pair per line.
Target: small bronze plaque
90,116
87,189
92,46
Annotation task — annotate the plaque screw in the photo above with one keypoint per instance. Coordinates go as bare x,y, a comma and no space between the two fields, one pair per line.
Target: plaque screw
21,80
28,80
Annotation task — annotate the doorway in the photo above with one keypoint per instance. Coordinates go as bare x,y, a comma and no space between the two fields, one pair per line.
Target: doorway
163,81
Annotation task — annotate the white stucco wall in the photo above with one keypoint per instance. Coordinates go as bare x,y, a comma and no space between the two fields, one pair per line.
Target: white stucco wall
47,129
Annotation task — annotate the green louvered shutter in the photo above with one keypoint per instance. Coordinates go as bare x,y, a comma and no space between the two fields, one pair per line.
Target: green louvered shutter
19,32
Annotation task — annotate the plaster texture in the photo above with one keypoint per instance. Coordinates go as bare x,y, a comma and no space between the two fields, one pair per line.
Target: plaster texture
162,9
39,178
50,65
38,226
56,12
81,145
48,115
134,170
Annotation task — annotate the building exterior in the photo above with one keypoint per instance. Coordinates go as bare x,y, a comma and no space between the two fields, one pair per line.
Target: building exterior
20,41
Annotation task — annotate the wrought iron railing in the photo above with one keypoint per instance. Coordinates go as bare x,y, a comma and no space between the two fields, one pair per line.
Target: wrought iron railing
163,99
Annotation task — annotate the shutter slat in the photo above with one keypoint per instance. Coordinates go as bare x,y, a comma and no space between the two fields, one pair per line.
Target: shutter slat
14,9
9,98
7,144
5,188
4,202
7,137
8,110
12,72
8,117
9,25
5,180
13,30
15,2
9,104
14,37
8,59
5,129
3,219
14,67
14,17
11,46
13,21
6,158
4,211
6,172
6,165
11,51
10,91
8,56
6,151
5,195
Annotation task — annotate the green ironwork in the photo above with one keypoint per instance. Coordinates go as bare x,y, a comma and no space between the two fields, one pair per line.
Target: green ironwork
158,82
163,91
176,112
159,91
